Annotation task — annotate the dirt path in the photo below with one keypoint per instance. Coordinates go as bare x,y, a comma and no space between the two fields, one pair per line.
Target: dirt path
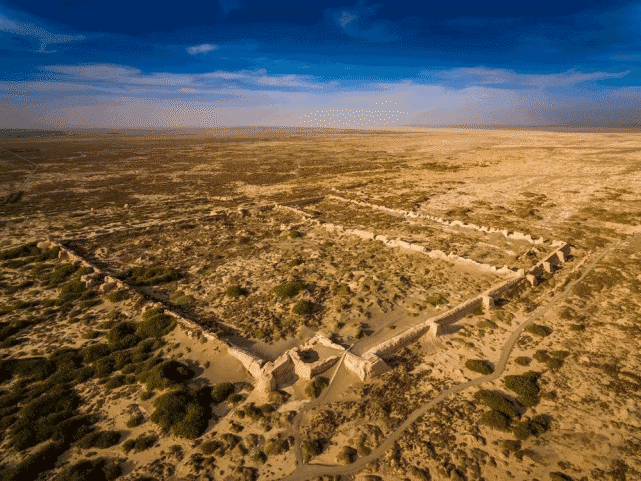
305,472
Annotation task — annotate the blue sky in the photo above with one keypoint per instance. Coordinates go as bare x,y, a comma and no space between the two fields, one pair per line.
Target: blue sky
76,63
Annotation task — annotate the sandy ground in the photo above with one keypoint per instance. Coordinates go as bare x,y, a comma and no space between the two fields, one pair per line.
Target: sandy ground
204,206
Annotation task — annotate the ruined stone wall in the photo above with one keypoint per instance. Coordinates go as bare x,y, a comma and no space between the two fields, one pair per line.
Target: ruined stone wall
439,220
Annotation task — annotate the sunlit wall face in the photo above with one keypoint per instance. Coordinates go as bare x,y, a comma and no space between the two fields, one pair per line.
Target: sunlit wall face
331,64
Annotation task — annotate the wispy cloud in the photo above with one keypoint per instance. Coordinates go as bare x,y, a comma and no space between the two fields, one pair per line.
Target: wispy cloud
121,77
43,36
202,48
508,78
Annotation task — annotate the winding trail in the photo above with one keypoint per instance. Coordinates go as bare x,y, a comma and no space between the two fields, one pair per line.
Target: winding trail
305,472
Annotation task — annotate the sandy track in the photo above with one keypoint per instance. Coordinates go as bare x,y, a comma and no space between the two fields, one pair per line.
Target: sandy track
305,472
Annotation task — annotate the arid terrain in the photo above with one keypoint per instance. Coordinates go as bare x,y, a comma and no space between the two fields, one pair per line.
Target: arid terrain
420,304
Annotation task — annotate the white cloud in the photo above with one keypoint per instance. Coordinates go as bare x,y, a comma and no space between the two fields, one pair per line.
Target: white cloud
202,48
43,36
486,76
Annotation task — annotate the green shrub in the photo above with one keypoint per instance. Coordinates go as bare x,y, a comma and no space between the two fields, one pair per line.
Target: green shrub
116,382
532,427
104,367
313,447
487,324
99,439
347,455
148,276
525,386
511,445
557,476
259,457
577,327
60,274
36,368
436,300
316,386
294,234
209,447
94,352
235,291
287,289
91,470
302,308
120,331
342,290
497,402
222,391
141,443
42,459
118,295
135,420
166,374
539,330
276,446
554,363
155,324
253,412
71,290
20,251
235,398
145,395
496,420
43,417
182,412
523,361
480,366
541,355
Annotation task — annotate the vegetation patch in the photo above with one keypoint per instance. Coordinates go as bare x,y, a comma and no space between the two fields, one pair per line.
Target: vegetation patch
287,289
141,443
316,386
558,476
539,330
91,470
235,291
496,420
99,439
525,386
220,392
166,374
135,420
148,276
312,447
498,402
532,427
25,250
302,308
118,295
182,412
436,300
479,365
155,324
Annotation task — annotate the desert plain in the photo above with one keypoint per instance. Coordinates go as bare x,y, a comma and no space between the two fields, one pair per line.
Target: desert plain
299,304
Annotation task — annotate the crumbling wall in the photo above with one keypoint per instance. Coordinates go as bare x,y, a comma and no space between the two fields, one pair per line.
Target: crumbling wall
439,220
